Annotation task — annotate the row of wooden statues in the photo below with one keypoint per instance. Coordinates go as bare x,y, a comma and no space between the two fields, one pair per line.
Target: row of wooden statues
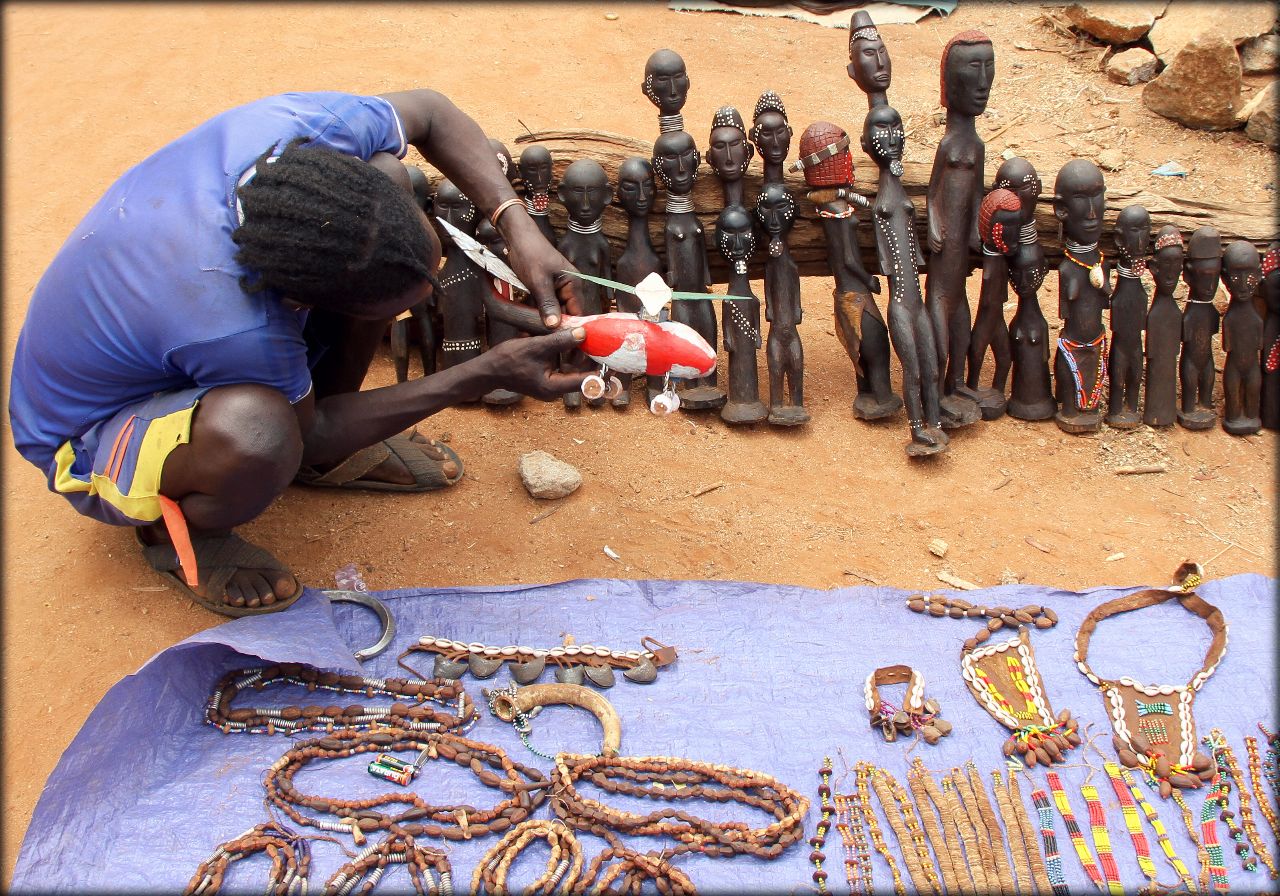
941,350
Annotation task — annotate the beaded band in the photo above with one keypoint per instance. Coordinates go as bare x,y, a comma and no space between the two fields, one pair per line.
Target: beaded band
1052,858
1013,833
819,839
502,207
1132,822
857,855
994,881
460,345
563,866
862,771
429,869
1255,780
1209,834
975,793
290,860
1073,830
1188,820
1162,836
1067,348
1101,839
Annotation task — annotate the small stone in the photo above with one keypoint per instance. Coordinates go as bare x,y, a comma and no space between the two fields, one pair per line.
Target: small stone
546,477
1115,22
1185,20
1009,577
1260,116
938,547
611,17
1133,66
1261,56
1201,89
1110,160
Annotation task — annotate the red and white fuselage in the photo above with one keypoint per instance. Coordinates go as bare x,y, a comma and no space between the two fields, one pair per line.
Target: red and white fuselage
626,343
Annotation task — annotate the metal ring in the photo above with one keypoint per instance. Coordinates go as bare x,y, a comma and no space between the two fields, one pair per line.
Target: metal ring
385,618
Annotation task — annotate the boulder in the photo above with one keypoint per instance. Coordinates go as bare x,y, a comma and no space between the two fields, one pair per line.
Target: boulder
1115,22
1260,116
1201,89
546,477
1133,66
1261,56
1184,20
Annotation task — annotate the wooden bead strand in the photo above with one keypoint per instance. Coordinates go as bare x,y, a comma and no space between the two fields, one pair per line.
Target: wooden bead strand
862,773
290,861
429,870
1255,781
563,866
819,839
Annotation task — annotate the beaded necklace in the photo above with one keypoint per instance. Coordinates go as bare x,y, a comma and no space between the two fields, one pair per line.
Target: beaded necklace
906,827
367,868
1013,832
1052,858
1073,830
1102,839
966,834
1271,767
1067,348
537,203
819,839
1202,852
861,772
291,719
1038,873
290,860
1209,834
856,858
1097,273
1226,760
563,866
1132,822
634,868
1160,735
919,782
1255,780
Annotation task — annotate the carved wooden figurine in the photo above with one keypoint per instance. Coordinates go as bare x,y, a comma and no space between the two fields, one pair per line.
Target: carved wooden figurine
1164,331
1200,320
1031,393
869,63
420,319
585,191
955,192
535,173
776,212
1271,338
1241,340
736,240
675,163
828,167
497,331
893,215
729,153
666,84
998,226
771,133
1128,316
461,284
1080,367
509,169
639,259
1019,176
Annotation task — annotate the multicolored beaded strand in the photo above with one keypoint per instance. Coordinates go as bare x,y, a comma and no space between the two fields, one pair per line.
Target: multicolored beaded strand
1271,766
819,839
862,772
1102,839
1226,757
1209,835
1162,836
1073,830
1052,858
1133,823
855,846
1038,873
1255,781
1202,852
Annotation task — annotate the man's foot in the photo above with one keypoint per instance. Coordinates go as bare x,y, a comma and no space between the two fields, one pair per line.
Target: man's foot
403,463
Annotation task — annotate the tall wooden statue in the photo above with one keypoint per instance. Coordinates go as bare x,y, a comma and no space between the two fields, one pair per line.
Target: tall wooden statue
585,191
462,287
639,259
1128,316
1164,331
1200,320
736,240
535,174
1031,393
1241,340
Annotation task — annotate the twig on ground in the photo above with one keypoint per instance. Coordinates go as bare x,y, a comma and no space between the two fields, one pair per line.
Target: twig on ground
1226,541
1002,483
546,513
1017,118
1037,545
705,489
956,582
862,575
1141,468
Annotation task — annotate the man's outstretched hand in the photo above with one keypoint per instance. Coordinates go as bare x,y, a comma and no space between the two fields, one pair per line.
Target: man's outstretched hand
540,266
530,365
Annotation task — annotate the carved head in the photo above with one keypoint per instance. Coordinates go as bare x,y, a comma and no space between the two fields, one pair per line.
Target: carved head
488,235
1027,270
824,155
1203,264
1133,232
735,234
504,160
636,186
728,152
1019,175
421,186
1241,269
999,220
535,168
666,83
883,138
675,162
776,209
770,131
1166,263
968,68
1079,199
585,191
869,64
455,208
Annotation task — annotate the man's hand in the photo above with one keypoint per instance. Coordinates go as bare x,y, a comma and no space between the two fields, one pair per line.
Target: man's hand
530,365
539,265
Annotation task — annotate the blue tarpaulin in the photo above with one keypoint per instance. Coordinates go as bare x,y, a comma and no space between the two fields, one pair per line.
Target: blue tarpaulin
768,678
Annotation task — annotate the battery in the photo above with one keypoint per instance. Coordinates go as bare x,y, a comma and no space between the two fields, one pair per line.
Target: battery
389,768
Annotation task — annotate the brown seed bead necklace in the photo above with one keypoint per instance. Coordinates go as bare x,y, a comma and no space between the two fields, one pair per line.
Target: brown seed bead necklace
563,866
1013,832
906,827
1228,766
967,838
634,868
819,839
862,771
987,829
1039,873
526,787
950,852
290,860
429,869
915,781
1255,780
411,711
673,779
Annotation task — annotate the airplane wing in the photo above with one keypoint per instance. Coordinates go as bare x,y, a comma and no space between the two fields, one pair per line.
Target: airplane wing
478,253
614,284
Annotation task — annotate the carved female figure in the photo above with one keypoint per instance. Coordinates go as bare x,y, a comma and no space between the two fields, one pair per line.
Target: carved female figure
1271,338
741,319
1164,331
585,191
869,64
1080,368
497,331
771,133
776,212
1128,316
636,192
1241,340
421,317
535,173
666,84
729,153
955,192
893,215
461,285
998,225
1200,321
1031,395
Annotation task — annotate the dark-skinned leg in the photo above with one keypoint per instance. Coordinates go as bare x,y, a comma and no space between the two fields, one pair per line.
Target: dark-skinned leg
244,449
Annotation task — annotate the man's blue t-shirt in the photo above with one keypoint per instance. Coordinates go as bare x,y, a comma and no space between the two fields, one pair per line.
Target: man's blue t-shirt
145,294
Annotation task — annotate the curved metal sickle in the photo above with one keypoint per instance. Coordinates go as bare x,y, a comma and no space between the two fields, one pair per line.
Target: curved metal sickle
385,619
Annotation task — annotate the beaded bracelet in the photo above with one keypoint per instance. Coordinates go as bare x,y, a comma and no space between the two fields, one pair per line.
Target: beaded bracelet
290,860
563,866
526,787
1223,749
857,856
1073,830
1052,858
905,826
675,779
1162,836
634,868
1102,839
1202,852
819,839
429,869
862,771
1209,834
414,716
1132,823
1255,781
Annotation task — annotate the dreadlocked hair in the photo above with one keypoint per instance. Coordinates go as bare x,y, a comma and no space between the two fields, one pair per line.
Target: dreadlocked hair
328,230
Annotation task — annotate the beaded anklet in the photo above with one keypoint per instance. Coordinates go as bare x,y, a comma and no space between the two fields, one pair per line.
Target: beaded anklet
916,777
1132,823
1052,858
634,868
1255,780
1162,836
1202,852
967,834
571,661
906,827
857,859
1073,830
861,772
1013,833
1038,873
1209,834
291,719
563,866
1102,839
429,868
290,860
916,715
819,839
1227,756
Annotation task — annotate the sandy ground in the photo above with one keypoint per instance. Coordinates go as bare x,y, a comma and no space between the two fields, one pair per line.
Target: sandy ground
89,90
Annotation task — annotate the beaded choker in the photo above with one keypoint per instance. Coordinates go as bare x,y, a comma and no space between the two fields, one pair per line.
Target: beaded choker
575,227
679,204
537,203
1154,727
1028,234
1097,275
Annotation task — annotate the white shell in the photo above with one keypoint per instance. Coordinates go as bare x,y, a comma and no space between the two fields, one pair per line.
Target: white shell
572,651
509,651
491,651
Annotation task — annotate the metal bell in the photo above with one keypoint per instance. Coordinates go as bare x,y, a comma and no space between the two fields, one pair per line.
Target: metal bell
445,668
482,666
642,672
569,674
526,673
601,676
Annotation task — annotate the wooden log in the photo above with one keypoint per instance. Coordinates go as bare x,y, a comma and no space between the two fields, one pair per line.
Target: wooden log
1253,221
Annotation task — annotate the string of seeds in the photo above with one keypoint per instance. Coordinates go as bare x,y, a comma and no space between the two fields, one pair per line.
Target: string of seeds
675,779
923,879
420,705
1255,781
1008,882
1052,857
819,839
857,855
290,857
1226,758
634,868
1202,851
1013,833
1039,874
563,866
933,830
1162,836
997,877
429,869
966,833
862,771
525,787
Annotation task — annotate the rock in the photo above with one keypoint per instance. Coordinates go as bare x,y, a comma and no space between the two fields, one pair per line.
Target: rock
1201,89
1133,66
1115,22
938,547
1261,56
1185,20
1110,160
545,477
1261,117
